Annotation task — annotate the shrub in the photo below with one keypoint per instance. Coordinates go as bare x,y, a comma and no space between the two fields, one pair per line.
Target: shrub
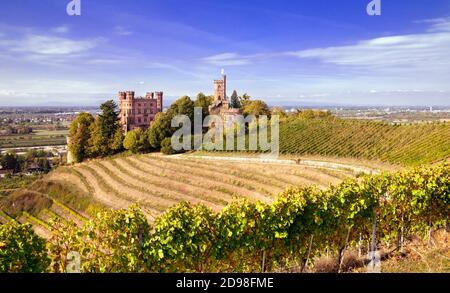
21,250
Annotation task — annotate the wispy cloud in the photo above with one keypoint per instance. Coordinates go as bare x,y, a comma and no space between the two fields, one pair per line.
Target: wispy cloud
423,51
50,45
227,59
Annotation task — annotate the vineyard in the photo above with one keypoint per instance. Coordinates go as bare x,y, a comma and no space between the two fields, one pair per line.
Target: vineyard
404,144
294,230
156,183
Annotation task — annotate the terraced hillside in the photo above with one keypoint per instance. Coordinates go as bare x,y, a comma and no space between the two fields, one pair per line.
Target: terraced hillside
404,144
156,182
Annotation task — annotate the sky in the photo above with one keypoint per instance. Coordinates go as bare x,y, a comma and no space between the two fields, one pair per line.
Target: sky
289,53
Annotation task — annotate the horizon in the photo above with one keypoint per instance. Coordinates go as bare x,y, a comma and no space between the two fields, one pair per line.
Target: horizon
303,53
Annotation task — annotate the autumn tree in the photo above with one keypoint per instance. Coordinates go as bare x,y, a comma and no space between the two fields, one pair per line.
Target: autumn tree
136,141
80,135
256,108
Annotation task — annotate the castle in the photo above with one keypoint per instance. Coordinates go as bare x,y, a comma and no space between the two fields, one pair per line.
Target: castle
139,112
221,105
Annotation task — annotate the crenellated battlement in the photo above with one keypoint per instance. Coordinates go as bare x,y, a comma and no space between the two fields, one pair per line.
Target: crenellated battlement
139,112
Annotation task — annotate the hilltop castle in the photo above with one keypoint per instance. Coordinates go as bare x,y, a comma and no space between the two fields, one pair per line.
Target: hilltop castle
221,105
139,112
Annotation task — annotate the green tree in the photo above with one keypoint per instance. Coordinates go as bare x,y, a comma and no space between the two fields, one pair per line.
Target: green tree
10,161
108,119
117,143
166,146
21,250
136,141
80,135
256,108
98,145
244,99
204,102
104,134
161,127
234,100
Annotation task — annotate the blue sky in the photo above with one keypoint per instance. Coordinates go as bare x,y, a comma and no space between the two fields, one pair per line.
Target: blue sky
286,52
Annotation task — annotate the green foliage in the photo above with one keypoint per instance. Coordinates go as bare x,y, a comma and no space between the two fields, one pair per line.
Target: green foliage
302,223
136,141
19,181
161,127
204,102
108,120
159,130
331,136
80,135
183,238
112,241
256,108
21,250
166,146
234,100
11,161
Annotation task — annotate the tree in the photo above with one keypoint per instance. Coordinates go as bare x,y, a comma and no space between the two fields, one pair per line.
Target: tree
98,144
166,146
104,133
161,127
136,141
117,144
11,162
80,135
182,106
256,108
109,119
234,101
244,100
204,102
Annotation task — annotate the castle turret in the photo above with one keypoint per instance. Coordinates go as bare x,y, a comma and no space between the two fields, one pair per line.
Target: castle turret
130,95
159,101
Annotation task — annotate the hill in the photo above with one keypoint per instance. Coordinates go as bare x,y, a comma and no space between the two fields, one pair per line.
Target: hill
401,144
157,183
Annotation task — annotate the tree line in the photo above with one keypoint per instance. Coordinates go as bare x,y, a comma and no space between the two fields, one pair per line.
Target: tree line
103,136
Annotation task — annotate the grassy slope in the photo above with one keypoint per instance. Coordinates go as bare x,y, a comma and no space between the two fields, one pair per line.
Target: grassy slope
404,144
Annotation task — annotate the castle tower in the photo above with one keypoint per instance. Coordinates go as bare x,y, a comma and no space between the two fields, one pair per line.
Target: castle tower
159,101
220,88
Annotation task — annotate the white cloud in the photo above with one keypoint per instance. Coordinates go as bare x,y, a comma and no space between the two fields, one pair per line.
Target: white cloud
49,45
437,24
425,51
227,59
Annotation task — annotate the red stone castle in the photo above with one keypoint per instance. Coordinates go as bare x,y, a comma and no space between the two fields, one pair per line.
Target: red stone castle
139,112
